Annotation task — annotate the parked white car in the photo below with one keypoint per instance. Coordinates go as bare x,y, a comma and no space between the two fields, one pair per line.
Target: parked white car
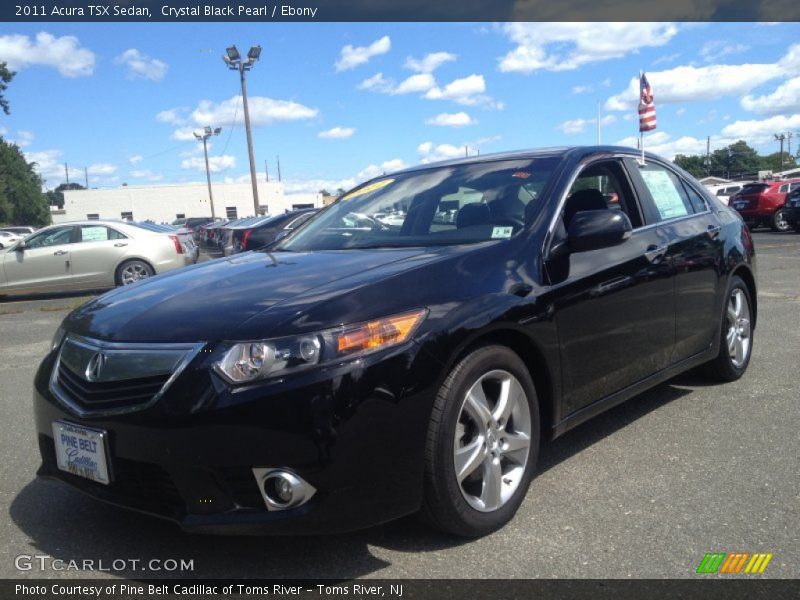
8,238
87,255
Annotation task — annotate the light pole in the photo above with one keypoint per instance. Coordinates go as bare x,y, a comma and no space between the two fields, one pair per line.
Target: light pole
207,133
235,62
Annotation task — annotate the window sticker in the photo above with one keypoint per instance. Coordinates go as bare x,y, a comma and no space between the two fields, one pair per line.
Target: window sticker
372,187
502,233
665,195
94,234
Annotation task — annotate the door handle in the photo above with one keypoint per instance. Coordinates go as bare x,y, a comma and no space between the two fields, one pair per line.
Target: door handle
59,253
120,244
713,231
655,253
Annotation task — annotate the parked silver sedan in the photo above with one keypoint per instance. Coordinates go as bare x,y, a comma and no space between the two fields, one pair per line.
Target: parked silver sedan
87,255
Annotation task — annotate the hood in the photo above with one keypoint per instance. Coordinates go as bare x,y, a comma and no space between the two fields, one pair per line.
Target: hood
210,300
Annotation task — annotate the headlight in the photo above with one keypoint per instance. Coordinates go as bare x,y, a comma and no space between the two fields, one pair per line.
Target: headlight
58,337
260,359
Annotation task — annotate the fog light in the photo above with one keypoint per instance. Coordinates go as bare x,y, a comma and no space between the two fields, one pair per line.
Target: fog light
282,489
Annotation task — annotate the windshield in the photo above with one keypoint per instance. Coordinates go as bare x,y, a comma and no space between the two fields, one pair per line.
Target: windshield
754,188
459,204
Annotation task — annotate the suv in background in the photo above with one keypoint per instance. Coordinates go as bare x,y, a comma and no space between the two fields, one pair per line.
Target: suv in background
761,204
791,209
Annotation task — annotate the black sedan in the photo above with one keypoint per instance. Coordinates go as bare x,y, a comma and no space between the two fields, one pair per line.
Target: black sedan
355,373
272,229
791,209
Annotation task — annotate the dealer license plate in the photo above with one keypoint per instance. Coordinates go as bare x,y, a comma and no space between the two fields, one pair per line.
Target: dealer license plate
81,451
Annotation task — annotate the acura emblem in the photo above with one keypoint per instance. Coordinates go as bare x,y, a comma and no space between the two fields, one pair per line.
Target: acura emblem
95,366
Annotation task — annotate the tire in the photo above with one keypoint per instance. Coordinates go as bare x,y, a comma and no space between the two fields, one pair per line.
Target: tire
779,223
489,454
797,227
132,271
728,366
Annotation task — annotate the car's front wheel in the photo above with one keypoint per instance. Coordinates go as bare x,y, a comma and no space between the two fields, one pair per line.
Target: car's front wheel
132,271
483,441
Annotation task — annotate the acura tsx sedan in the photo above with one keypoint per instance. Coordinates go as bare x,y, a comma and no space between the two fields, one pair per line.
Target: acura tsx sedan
357,370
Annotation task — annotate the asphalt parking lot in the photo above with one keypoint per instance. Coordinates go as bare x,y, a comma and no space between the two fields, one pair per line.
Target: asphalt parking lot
642,491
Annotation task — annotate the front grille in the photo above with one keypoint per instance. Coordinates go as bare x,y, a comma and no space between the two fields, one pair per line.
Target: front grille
242,487
111,394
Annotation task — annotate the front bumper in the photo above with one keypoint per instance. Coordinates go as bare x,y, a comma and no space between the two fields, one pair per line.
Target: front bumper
356,432
792,214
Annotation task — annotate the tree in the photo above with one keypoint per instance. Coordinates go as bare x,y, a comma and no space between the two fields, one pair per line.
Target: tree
736,159
21,197
5,78
772,162
696,165
324,192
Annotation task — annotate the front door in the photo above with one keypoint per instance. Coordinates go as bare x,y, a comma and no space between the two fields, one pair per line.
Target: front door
43,264
616,306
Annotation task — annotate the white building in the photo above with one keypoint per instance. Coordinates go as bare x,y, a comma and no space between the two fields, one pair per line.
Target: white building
165,203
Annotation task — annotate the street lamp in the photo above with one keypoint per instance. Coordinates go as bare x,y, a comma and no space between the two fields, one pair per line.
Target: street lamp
235,62
207,133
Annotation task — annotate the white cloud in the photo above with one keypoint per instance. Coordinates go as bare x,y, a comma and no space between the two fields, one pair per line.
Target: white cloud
48,165
459,119
313,186
263,111
421,82
385,167
176,116
146,174
468,91
353,56
785,98
693,84
24,138
135,159
337,133
573,126
141,66
681,111
566,46
430,62
581,89
430,152
62,53
661,143
715,50
216,164
183,134
761,131
667,58
102,169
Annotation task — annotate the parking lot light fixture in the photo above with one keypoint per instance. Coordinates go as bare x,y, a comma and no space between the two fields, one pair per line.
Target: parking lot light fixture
234,61
207,133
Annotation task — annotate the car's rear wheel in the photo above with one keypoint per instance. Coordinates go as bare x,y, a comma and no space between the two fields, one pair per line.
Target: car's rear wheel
797,227
736,344
779,222
482,445
132,271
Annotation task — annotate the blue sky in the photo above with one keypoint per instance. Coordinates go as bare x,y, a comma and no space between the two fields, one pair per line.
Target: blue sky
340,102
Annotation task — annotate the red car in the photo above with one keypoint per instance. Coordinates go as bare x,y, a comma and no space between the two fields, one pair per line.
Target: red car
761,203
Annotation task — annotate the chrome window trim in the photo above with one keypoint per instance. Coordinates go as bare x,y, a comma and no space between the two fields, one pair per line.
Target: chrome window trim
192,350
548,239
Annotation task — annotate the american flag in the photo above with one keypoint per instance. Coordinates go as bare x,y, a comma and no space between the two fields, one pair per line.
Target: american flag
647,108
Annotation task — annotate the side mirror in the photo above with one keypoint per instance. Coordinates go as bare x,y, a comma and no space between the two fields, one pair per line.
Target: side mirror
20,247
595,229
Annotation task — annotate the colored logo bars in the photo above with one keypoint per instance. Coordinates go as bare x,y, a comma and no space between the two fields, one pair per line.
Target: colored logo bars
735,562
647,107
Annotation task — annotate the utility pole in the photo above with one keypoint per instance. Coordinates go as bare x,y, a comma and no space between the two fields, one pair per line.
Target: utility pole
207,133
279,168
86,177
789,137
66,172
780,138
266,170
598,122
235,62
466,150
708,155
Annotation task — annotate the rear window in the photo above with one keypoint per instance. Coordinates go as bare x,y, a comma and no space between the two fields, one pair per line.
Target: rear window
754,188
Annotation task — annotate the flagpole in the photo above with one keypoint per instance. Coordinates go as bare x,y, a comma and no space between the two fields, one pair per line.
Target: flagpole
641,133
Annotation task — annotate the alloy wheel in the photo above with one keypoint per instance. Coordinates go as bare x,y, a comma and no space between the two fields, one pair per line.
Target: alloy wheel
781,224
134,272
738,336
492,440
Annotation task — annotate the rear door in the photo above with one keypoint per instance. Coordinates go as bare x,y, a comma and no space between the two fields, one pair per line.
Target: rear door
44,264
97,252
695,249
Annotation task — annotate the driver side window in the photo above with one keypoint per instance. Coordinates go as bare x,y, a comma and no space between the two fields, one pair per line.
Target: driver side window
54,237
599,186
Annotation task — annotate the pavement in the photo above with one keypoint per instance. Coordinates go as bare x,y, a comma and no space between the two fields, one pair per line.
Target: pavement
642,491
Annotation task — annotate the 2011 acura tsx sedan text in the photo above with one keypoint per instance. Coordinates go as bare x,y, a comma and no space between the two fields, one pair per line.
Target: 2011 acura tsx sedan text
359,370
